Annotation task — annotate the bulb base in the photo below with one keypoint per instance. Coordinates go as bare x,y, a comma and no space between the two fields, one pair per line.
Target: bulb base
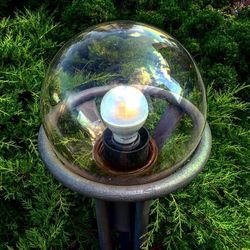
128,139
125,147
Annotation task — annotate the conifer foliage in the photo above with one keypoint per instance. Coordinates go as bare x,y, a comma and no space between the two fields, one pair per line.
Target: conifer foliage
213,212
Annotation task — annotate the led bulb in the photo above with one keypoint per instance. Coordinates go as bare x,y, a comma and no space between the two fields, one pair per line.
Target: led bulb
124,110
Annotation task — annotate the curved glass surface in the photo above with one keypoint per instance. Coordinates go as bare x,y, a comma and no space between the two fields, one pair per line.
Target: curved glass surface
171,102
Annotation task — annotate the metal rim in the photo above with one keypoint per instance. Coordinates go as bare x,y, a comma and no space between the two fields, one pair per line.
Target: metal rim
126,193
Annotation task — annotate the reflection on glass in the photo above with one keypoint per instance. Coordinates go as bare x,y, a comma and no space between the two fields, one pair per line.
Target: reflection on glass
121,54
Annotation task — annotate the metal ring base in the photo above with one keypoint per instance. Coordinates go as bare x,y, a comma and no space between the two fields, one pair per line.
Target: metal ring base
147,191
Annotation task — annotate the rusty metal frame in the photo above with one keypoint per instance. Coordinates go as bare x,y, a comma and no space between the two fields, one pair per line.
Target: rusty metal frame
122,207
141,192
167,124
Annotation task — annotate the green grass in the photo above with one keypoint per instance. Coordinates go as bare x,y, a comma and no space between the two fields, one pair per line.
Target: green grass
211,213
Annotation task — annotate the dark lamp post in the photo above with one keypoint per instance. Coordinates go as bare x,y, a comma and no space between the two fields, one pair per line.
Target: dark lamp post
124,121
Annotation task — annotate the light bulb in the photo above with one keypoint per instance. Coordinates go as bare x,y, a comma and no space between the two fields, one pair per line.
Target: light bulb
124,110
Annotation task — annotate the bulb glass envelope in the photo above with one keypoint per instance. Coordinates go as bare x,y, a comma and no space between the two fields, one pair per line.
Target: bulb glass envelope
115,54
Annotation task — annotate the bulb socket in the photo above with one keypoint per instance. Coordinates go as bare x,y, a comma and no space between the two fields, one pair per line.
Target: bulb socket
126,157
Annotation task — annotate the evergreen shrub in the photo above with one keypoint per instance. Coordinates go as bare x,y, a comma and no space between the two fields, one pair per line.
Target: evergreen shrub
38,213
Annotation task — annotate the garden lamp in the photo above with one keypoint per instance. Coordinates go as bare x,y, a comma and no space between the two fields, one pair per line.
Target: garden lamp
123,121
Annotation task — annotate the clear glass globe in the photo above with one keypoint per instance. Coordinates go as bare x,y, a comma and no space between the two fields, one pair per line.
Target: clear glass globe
123,75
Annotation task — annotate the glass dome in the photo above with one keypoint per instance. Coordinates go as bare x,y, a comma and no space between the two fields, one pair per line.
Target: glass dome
123,76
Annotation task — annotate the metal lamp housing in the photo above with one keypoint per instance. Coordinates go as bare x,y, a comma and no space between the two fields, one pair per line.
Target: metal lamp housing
124,147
